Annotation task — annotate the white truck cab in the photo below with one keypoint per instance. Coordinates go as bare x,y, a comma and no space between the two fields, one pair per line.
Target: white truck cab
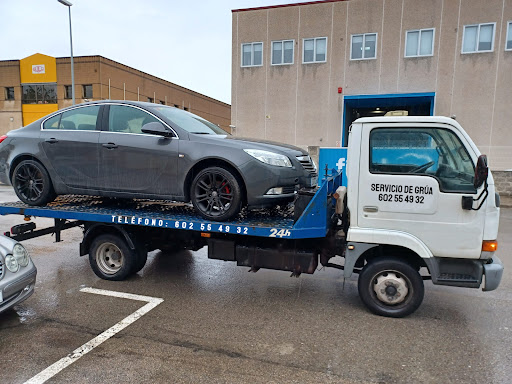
420,195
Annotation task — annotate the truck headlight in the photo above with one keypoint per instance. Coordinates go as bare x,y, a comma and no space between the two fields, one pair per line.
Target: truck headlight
270,158
11,263
20,254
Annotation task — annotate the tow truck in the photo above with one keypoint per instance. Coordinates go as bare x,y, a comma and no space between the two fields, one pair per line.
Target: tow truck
420,205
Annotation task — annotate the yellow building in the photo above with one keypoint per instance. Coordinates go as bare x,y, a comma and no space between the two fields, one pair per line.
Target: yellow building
38,81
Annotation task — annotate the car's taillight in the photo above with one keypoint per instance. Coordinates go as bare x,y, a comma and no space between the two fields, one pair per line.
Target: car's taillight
2,138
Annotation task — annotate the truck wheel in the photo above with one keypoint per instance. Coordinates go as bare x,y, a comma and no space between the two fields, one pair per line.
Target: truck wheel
142,256
216,194
32,183
111,258
390,287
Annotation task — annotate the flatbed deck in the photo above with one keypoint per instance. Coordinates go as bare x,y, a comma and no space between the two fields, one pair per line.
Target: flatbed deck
166,214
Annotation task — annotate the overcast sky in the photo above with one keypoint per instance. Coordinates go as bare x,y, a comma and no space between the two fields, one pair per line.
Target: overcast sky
185,42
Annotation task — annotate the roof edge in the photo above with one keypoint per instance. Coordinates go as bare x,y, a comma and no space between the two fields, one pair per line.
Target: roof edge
100,57
285,5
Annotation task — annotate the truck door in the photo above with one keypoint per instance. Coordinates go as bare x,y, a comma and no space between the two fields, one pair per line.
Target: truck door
412,179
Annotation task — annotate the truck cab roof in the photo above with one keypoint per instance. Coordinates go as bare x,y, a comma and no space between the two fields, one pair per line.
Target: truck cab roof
409,119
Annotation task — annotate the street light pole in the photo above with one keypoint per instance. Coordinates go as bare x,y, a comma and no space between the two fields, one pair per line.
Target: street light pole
69,4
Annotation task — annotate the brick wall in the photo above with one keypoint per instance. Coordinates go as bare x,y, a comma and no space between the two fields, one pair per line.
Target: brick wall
503,182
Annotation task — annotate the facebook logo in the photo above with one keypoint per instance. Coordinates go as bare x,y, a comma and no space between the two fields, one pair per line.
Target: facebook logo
341,164
334,159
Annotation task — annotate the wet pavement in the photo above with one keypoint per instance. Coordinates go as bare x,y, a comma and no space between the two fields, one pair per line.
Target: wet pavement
220,324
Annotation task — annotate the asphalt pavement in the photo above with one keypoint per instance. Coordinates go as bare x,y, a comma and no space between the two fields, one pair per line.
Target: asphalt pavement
218,323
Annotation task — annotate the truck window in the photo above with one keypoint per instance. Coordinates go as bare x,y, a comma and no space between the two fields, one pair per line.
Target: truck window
434,152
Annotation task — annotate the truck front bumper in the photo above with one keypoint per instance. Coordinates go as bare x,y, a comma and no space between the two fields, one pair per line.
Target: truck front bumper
493,273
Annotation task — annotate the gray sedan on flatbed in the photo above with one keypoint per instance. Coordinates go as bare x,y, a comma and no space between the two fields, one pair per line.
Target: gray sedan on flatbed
132,149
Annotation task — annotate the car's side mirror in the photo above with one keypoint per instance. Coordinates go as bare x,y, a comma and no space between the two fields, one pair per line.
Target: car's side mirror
157,128
481,171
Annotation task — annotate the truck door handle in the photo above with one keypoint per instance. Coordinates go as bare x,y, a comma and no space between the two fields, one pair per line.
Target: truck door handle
370,209
52,140
110,145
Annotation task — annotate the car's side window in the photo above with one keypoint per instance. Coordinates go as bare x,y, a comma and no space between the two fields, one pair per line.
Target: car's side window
427,151
127,119
52,122
82,119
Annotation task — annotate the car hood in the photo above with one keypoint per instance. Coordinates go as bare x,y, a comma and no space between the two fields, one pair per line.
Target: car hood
246,143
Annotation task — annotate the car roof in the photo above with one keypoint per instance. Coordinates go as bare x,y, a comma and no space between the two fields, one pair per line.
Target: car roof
128,102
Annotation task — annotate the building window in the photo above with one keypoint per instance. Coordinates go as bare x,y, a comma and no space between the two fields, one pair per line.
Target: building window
185,108
39,94
282,52
68,92
87,91
508,46
176,106
150,99
364,46
478,38
419,42
9,93
314,50
252,54
162,102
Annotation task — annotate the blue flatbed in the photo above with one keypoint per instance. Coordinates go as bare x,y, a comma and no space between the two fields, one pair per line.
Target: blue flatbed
313,223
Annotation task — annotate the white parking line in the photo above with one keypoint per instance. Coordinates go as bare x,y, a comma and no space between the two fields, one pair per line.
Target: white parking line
55,368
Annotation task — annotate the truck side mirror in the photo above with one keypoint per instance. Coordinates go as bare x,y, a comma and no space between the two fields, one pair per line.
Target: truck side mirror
481,171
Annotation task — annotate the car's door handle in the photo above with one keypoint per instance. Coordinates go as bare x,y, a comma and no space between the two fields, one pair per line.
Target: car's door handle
110,145
52,140
370,209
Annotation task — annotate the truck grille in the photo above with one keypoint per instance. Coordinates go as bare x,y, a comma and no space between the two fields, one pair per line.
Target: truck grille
307,163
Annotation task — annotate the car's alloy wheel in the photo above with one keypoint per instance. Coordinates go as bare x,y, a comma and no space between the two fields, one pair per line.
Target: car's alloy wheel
32,183
216,194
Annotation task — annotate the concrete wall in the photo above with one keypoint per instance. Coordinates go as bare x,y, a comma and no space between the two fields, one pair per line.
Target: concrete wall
299,103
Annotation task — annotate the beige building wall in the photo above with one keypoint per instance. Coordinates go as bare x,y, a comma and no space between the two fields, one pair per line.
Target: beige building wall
300,103
110,80
10,110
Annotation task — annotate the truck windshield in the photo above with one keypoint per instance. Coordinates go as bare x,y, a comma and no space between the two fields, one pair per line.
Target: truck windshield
189,122
435,152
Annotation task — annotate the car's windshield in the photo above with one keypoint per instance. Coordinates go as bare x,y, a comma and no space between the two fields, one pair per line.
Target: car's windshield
189,122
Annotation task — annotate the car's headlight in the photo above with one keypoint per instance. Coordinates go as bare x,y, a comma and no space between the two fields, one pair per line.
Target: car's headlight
271,158
11,263
21,254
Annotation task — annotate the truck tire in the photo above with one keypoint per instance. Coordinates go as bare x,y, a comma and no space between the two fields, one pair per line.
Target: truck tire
111,258
142,258
216,194
390,287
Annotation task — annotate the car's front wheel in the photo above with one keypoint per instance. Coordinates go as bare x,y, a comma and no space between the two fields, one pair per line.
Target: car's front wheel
32,183
216,194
